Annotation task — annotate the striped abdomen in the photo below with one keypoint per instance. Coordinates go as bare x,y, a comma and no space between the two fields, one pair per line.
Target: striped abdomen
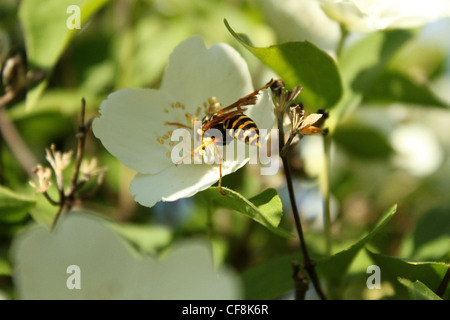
243,128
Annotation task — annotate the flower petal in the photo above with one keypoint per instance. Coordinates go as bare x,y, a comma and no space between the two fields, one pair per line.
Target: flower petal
178,182
136,124
312,25
185,180
195,73
262,113
368,15
129,126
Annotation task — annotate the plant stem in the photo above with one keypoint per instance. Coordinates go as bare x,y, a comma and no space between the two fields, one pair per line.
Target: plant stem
12,137
81,135
340,45
325,184
300,280
68,197
308,264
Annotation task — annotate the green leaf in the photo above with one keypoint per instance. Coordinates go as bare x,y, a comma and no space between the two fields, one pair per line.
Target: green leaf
5,267
335,267
270,279
5,263
392,268
14,206
301,64
393,86
363,63
264,208
419,291
362,141
45,27
44,212
431,235
361,66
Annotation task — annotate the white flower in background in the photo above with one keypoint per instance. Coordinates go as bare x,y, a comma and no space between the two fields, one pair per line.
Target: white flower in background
370,15
108,269
313,155
300,20
310,203
133,122
417,149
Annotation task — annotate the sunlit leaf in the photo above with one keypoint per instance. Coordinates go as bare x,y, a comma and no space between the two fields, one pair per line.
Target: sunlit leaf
270,279
264,208
419,291
392,268
431,235
301,64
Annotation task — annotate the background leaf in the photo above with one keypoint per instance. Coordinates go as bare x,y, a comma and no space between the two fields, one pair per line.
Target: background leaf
264,208
270,279
301,64
46,39
394,86
362,64
14,206
334,268
431,236
392,268
363,141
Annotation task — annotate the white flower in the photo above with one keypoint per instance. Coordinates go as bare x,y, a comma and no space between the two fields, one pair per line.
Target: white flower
417,149
99,265
133,122
371,15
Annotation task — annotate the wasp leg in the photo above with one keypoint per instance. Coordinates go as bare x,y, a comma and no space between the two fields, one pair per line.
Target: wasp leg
219,155
197,150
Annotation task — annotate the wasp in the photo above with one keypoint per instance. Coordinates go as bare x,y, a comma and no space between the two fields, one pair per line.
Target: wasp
232,123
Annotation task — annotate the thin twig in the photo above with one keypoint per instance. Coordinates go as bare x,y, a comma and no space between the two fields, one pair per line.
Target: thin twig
326,193
58,214
12,137
81,135
50,199
308,264
16,80
67,198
